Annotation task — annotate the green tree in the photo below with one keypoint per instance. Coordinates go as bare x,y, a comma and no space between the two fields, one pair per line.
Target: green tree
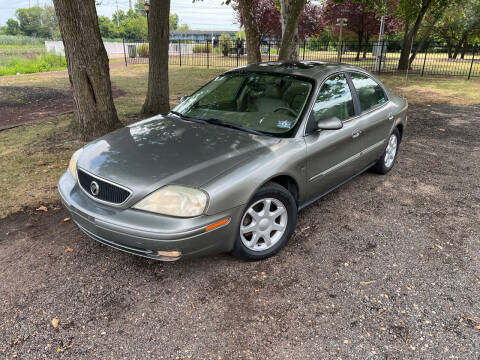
134,27
13,27
183,27
30,21
50,23
459,25
107,28
173,22
413,12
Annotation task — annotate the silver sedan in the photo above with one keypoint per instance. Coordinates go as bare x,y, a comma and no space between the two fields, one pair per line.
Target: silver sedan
229,168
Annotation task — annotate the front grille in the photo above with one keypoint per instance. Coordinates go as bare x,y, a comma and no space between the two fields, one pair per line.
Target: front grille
106,191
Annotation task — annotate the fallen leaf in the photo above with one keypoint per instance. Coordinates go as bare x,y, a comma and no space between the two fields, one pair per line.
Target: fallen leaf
478,327
66,219
367,282
45,170
40,163
17,341
53,166
55,322
69,249
42,208
441,129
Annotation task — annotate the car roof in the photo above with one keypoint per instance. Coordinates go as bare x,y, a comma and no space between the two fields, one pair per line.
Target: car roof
312,69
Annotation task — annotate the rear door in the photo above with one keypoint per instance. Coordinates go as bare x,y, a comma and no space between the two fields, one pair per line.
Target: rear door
332,155
375,120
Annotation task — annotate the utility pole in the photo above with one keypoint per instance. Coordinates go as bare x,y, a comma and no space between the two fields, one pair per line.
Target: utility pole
379,52
340,22
130,4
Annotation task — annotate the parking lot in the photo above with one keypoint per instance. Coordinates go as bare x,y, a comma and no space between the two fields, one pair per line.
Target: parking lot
385,267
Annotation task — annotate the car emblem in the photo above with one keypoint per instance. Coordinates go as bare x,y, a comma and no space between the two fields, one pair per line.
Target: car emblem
94,188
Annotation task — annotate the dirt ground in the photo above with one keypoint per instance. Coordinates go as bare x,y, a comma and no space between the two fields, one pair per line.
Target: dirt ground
22,105
386,267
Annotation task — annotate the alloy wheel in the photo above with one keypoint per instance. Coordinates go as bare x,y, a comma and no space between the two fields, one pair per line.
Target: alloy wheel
263,224
391,151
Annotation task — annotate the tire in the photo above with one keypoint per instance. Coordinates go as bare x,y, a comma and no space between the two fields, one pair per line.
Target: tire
387,160
275,229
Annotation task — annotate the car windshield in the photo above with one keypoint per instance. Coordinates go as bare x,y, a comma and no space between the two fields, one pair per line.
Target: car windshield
265,103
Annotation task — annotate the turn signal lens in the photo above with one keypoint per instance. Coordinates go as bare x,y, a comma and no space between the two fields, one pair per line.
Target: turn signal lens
217,224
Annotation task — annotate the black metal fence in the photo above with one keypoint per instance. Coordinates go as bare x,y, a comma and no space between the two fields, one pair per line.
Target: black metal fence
430,58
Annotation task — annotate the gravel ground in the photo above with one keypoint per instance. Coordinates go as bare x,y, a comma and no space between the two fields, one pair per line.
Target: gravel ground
386,267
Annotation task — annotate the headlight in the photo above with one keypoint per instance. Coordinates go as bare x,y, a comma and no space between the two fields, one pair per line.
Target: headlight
72,166
175,200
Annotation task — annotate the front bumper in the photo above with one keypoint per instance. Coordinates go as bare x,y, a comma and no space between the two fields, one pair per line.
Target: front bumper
145,234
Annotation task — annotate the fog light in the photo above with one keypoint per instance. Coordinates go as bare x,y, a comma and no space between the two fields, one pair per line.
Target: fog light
169,255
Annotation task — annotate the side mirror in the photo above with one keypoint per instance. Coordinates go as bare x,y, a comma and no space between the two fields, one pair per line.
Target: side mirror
183,98
332,123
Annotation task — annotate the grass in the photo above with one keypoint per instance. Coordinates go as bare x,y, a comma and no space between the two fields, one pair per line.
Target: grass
32,63
34,156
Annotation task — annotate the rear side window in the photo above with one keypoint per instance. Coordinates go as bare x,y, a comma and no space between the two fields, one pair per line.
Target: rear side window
334,99
370,93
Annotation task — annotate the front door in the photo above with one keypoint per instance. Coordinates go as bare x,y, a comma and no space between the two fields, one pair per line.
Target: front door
333,154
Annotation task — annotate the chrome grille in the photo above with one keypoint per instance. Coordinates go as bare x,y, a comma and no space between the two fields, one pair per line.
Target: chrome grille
107,192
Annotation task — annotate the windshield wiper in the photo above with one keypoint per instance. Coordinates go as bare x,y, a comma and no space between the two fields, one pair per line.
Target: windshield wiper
185,117
233,126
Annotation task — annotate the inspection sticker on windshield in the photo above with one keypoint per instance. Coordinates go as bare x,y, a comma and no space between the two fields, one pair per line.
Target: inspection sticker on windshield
284,124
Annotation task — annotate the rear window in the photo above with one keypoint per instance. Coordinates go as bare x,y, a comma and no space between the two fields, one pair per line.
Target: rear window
370,93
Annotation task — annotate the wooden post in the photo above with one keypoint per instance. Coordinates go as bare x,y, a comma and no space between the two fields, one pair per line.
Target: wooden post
304,43
124,53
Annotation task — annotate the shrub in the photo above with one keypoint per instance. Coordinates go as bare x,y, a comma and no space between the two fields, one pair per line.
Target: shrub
143,50
226,43
201,48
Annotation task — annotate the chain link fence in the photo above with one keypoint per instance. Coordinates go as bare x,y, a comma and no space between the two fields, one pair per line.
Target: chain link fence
382,57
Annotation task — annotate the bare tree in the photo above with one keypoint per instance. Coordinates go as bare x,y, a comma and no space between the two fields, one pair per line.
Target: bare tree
290,14
157,100
88,68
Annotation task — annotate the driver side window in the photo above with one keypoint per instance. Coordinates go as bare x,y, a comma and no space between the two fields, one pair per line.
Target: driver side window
334,100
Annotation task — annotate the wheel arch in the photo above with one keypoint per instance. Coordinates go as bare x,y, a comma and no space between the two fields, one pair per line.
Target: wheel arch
286,181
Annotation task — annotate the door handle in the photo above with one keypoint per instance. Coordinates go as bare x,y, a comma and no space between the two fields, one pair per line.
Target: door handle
356,133
391,117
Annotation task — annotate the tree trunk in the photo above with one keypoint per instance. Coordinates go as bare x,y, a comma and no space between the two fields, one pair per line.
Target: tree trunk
425,38
404,61
288,49
157,100
459,45
247,8
464,48
449,49
283,16
88,68
365,48
360,38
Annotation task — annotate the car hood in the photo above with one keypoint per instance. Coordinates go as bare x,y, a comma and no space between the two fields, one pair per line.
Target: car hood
167,150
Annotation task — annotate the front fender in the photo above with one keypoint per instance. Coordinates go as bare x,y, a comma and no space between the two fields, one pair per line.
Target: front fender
239,184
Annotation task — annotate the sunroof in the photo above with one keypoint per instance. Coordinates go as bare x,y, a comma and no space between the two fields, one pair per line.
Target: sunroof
293,64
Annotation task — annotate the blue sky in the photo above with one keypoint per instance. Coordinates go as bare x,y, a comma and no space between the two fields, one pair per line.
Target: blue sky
201,15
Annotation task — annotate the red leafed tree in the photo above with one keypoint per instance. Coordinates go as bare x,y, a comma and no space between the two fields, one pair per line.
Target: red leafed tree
362,20
269,24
